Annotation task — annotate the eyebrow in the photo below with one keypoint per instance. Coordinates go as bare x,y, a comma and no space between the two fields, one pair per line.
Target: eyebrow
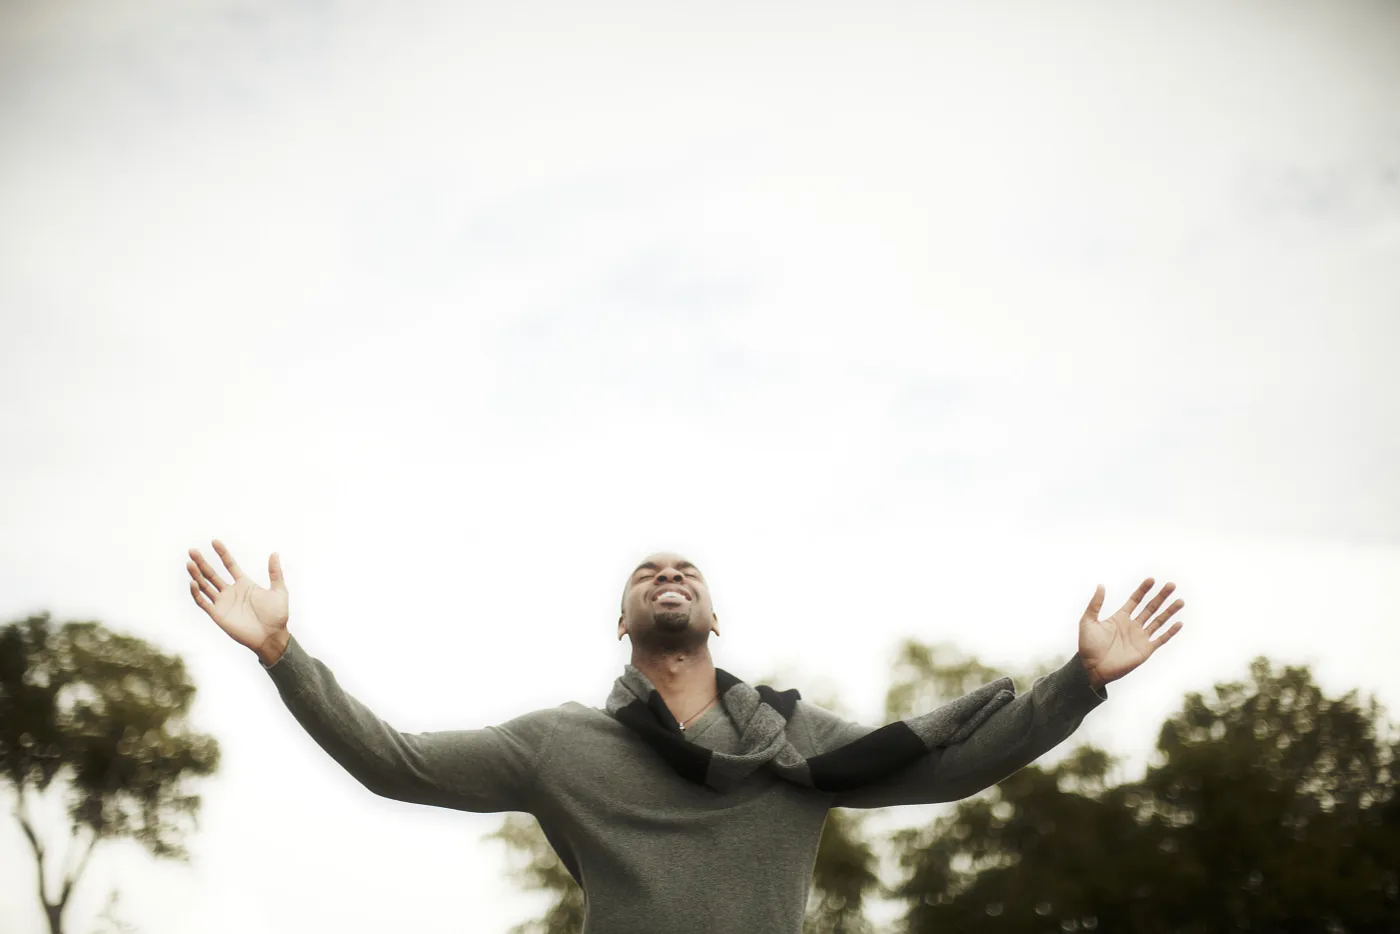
653,565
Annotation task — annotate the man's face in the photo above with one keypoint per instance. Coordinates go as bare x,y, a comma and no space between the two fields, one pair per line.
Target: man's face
667,604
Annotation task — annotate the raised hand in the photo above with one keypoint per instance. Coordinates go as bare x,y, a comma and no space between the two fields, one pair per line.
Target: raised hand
253,616
1113,647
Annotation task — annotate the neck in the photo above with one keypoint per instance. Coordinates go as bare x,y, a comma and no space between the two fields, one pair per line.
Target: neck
685,678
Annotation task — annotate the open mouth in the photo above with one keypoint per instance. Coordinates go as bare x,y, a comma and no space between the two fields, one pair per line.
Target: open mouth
671,596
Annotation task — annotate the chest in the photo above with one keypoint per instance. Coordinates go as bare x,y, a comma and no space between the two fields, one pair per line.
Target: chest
609,781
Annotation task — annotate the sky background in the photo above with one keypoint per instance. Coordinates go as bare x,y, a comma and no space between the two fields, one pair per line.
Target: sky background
899,320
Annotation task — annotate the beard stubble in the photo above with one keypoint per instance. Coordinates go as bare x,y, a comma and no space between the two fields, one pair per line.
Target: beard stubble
671,631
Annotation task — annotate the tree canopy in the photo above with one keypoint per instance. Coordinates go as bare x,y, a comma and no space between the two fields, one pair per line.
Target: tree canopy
102,718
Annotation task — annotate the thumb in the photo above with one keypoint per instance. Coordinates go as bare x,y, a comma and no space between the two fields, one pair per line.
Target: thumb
274,573
1095,604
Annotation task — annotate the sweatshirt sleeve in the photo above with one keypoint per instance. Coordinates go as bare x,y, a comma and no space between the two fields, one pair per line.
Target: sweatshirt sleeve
483,770
1023,730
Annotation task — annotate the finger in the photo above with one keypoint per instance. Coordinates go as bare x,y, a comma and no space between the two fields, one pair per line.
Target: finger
1154,603
274,572
229,563
201,580
207,571
1156,624
208,591
199,600
1095,604
1136,598
1166,637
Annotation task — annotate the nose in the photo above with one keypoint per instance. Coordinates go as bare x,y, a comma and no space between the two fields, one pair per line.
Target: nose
674,576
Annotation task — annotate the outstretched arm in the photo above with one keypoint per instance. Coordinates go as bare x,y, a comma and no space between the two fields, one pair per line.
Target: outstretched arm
489,769
1027,727
484,770
1016,735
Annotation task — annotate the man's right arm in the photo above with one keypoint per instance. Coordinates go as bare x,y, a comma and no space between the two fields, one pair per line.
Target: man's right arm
485,770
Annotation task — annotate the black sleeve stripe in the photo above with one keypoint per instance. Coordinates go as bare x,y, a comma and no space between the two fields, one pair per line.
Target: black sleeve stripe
867,759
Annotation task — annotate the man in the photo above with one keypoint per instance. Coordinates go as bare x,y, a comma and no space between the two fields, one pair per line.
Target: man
691,802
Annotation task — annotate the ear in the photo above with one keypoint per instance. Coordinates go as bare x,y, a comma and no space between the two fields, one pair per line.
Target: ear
621,629
715,625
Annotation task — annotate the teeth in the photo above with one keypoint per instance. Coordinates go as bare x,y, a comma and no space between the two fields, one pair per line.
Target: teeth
671,593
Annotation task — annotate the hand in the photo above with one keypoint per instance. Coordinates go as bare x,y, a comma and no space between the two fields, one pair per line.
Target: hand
1113,647
250,614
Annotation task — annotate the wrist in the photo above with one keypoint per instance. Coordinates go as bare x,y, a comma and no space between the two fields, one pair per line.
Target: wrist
273,646
1095,680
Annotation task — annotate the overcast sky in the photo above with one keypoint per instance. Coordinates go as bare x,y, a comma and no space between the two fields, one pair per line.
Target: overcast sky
898,319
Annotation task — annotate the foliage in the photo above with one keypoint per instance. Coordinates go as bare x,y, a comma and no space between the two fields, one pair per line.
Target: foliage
101,716
1273,810
540,870
925,676
843,877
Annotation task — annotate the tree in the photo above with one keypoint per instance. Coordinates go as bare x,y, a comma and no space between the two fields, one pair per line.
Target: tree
1277,805
100,716
925,676
539,869
1273,809
844,876
945,856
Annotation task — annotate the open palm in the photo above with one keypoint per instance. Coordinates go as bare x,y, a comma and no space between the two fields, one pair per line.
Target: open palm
250,614
1113,647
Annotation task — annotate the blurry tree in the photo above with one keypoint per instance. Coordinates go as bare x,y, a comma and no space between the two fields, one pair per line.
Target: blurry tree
101,716
1274,809
925,676
845,875
539,869
846,872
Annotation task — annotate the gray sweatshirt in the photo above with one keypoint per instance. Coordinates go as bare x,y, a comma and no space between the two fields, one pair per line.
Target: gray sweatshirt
653,852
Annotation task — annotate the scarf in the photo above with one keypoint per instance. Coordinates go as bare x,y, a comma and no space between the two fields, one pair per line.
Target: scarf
761,715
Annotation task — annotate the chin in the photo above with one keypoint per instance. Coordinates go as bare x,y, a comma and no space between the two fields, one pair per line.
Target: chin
672,622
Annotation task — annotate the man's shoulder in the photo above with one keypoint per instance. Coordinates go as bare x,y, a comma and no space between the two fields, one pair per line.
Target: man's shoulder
570,712
574,712
587,718
571,732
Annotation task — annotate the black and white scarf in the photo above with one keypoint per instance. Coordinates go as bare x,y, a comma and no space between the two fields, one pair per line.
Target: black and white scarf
761,715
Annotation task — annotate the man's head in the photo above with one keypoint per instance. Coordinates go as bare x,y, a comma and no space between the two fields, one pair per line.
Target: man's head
666,605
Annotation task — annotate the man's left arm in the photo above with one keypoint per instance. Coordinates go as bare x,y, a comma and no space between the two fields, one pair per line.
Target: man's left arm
1023,730
1029,725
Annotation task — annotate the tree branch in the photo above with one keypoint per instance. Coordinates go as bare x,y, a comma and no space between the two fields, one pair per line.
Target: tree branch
33,841
77,873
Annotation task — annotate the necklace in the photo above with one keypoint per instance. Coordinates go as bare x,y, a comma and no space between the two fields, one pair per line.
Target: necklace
698,712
